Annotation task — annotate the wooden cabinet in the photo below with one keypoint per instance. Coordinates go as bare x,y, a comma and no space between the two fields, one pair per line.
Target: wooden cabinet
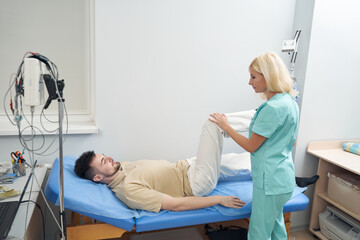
332,158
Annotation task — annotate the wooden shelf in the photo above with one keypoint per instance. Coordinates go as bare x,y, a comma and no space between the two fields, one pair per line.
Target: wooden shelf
332,158
337,205
332,152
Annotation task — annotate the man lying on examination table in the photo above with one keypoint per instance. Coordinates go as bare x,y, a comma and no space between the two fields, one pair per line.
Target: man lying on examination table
153,185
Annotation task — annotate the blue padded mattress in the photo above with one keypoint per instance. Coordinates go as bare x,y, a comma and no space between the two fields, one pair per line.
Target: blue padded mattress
99,202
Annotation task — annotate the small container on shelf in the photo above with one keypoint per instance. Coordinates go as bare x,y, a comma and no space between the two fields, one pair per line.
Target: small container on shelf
19,169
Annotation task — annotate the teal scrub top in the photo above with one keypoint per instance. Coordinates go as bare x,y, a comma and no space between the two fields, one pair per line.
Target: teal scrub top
272,164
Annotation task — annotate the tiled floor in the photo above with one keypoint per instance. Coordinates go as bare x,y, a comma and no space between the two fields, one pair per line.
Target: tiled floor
302,235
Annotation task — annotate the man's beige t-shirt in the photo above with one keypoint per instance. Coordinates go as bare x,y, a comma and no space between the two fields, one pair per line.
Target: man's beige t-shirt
140,184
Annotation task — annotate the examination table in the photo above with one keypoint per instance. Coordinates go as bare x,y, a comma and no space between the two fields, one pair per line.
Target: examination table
98,202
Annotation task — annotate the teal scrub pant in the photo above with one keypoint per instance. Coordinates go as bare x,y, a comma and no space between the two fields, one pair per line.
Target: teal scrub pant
267,220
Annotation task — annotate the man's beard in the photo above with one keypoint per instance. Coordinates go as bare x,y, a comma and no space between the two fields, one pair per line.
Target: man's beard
118,165
116,169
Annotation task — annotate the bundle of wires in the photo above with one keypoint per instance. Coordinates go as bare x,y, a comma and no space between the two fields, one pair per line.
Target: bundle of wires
16,84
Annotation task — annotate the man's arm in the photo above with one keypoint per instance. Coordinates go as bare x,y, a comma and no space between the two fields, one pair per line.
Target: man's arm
187,203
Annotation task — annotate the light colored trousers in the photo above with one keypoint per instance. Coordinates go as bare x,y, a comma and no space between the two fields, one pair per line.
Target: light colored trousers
204,170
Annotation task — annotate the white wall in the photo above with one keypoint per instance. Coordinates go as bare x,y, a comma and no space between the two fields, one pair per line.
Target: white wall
163,66
330,106
304,11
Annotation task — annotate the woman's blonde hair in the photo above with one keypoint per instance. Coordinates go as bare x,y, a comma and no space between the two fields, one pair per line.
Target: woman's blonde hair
276,74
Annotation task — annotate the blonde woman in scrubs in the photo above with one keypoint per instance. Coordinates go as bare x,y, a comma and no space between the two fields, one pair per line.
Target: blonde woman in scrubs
272,134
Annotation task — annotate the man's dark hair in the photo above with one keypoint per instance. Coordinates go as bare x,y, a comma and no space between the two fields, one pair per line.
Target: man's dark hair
82,166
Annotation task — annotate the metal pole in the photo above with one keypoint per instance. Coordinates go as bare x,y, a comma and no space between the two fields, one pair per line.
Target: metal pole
61,174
